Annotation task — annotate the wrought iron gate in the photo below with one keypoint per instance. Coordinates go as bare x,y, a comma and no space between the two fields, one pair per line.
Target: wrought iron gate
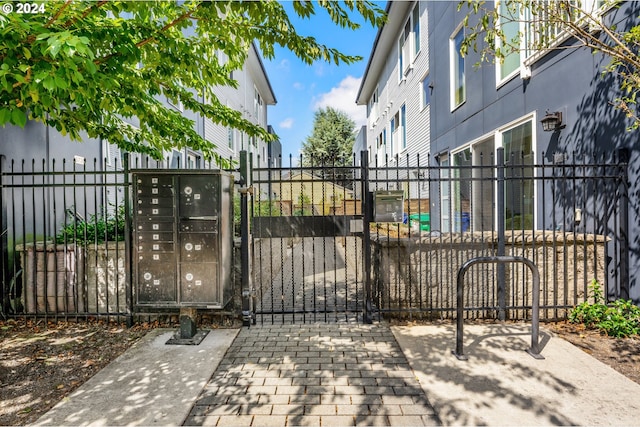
307,244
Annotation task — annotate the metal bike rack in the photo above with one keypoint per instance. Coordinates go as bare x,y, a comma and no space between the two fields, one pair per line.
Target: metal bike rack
534,351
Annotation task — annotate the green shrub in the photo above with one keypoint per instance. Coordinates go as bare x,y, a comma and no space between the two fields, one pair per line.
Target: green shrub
96,229
619,319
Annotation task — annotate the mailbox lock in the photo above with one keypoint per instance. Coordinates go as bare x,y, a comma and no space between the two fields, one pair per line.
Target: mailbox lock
188,246
189,277
188,191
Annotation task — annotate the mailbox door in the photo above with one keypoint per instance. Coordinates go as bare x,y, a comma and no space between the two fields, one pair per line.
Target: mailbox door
199,283
198,195
156,280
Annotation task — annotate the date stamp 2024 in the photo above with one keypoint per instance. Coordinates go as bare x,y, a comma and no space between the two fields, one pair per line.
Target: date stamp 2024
23,8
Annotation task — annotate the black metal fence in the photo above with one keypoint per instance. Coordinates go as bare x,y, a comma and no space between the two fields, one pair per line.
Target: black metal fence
568,216
65,239
330,243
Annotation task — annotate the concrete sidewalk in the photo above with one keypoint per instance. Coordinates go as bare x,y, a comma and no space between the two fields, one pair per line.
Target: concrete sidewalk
501,384
351,374
150,384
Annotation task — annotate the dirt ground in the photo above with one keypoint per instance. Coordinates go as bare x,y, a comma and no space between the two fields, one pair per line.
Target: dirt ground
41,364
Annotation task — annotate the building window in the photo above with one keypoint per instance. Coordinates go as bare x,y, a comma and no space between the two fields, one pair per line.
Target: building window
519,185
458,91
193,161
230,138
409,42
372,106
395,137
398,131
415,16
426,91
176,159
510,26
445,194
257,105
403,126
468,194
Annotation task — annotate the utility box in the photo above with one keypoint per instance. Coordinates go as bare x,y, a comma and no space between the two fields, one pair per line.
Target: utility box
183,238
388,206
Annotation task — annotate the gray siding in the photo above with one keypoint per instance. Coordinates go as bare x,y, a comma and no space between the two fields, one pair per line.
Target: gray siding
569,81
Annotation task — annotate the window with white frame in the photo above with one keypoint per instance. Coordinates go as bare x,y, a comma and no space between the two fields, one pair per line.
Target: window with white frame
395,133
425,91
409,42
509,24
257,105
403,127
193,160
415,19
531,31
468,195
230,138
372,106
457,79
398,140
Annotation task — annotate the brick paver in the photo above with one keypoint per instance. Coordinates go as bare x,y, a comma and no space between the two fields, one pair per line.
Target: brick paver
313,375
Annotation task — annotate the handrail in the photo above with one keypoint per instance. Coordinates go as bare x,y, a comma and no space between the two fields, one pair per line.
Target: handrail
534,351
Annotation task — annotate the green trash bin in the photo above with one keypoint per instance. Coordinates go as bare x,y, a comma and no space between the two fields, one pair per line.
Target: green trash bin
423,221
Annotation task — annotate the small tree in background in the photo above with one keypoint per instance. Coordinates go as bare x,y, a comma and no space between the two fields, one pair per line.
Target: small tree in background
330,145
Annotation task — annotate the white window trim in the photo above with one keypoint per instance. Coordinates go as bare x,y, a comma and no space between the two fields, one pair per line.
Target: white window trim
409,45
404,141
453,70
523,70
528,56
423,106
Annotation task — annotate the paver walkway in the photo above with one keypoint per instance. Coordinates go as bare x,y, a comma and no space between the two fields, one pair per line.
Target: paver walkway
313,375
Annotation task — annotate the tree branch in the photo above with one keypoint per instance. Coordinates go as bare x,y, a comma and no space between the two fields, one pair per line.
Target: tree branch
55,17
148,40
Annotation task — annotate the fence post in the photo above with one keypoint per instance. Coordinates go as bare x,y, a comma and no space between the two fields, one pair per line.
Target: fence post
127,241
244,239
502,303
4,260
623,158
366,235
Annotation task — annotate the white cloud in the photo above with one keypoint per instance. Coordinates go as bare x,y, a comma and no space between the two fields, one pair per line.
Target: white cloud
286,123
284,65
298,86
343,97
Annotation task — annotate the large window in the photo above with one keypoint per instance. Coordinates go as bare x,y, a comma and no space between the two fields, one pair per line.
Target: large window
468,186
519,191
458,91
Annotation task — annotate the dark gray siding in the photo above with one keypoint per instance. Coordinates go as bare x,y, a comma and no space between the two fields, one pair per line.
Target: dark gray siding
569,81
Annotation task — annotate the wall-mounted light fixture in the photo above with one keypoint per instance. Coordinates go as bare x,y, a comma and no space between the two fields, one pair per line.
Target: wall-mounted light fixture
551,121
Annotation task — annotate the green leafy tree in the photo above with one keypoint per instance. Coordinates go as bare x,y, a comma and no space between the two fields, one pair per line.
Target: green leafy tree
500,32
331,141
87,66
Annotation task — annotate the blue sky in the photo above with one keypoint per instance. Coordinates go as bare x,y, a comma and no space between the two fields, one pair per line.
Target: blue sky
301,89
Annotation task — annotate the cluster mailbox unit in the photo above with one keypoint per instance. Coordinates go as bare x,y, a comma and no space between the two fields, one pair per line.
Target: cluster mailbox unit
183,238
